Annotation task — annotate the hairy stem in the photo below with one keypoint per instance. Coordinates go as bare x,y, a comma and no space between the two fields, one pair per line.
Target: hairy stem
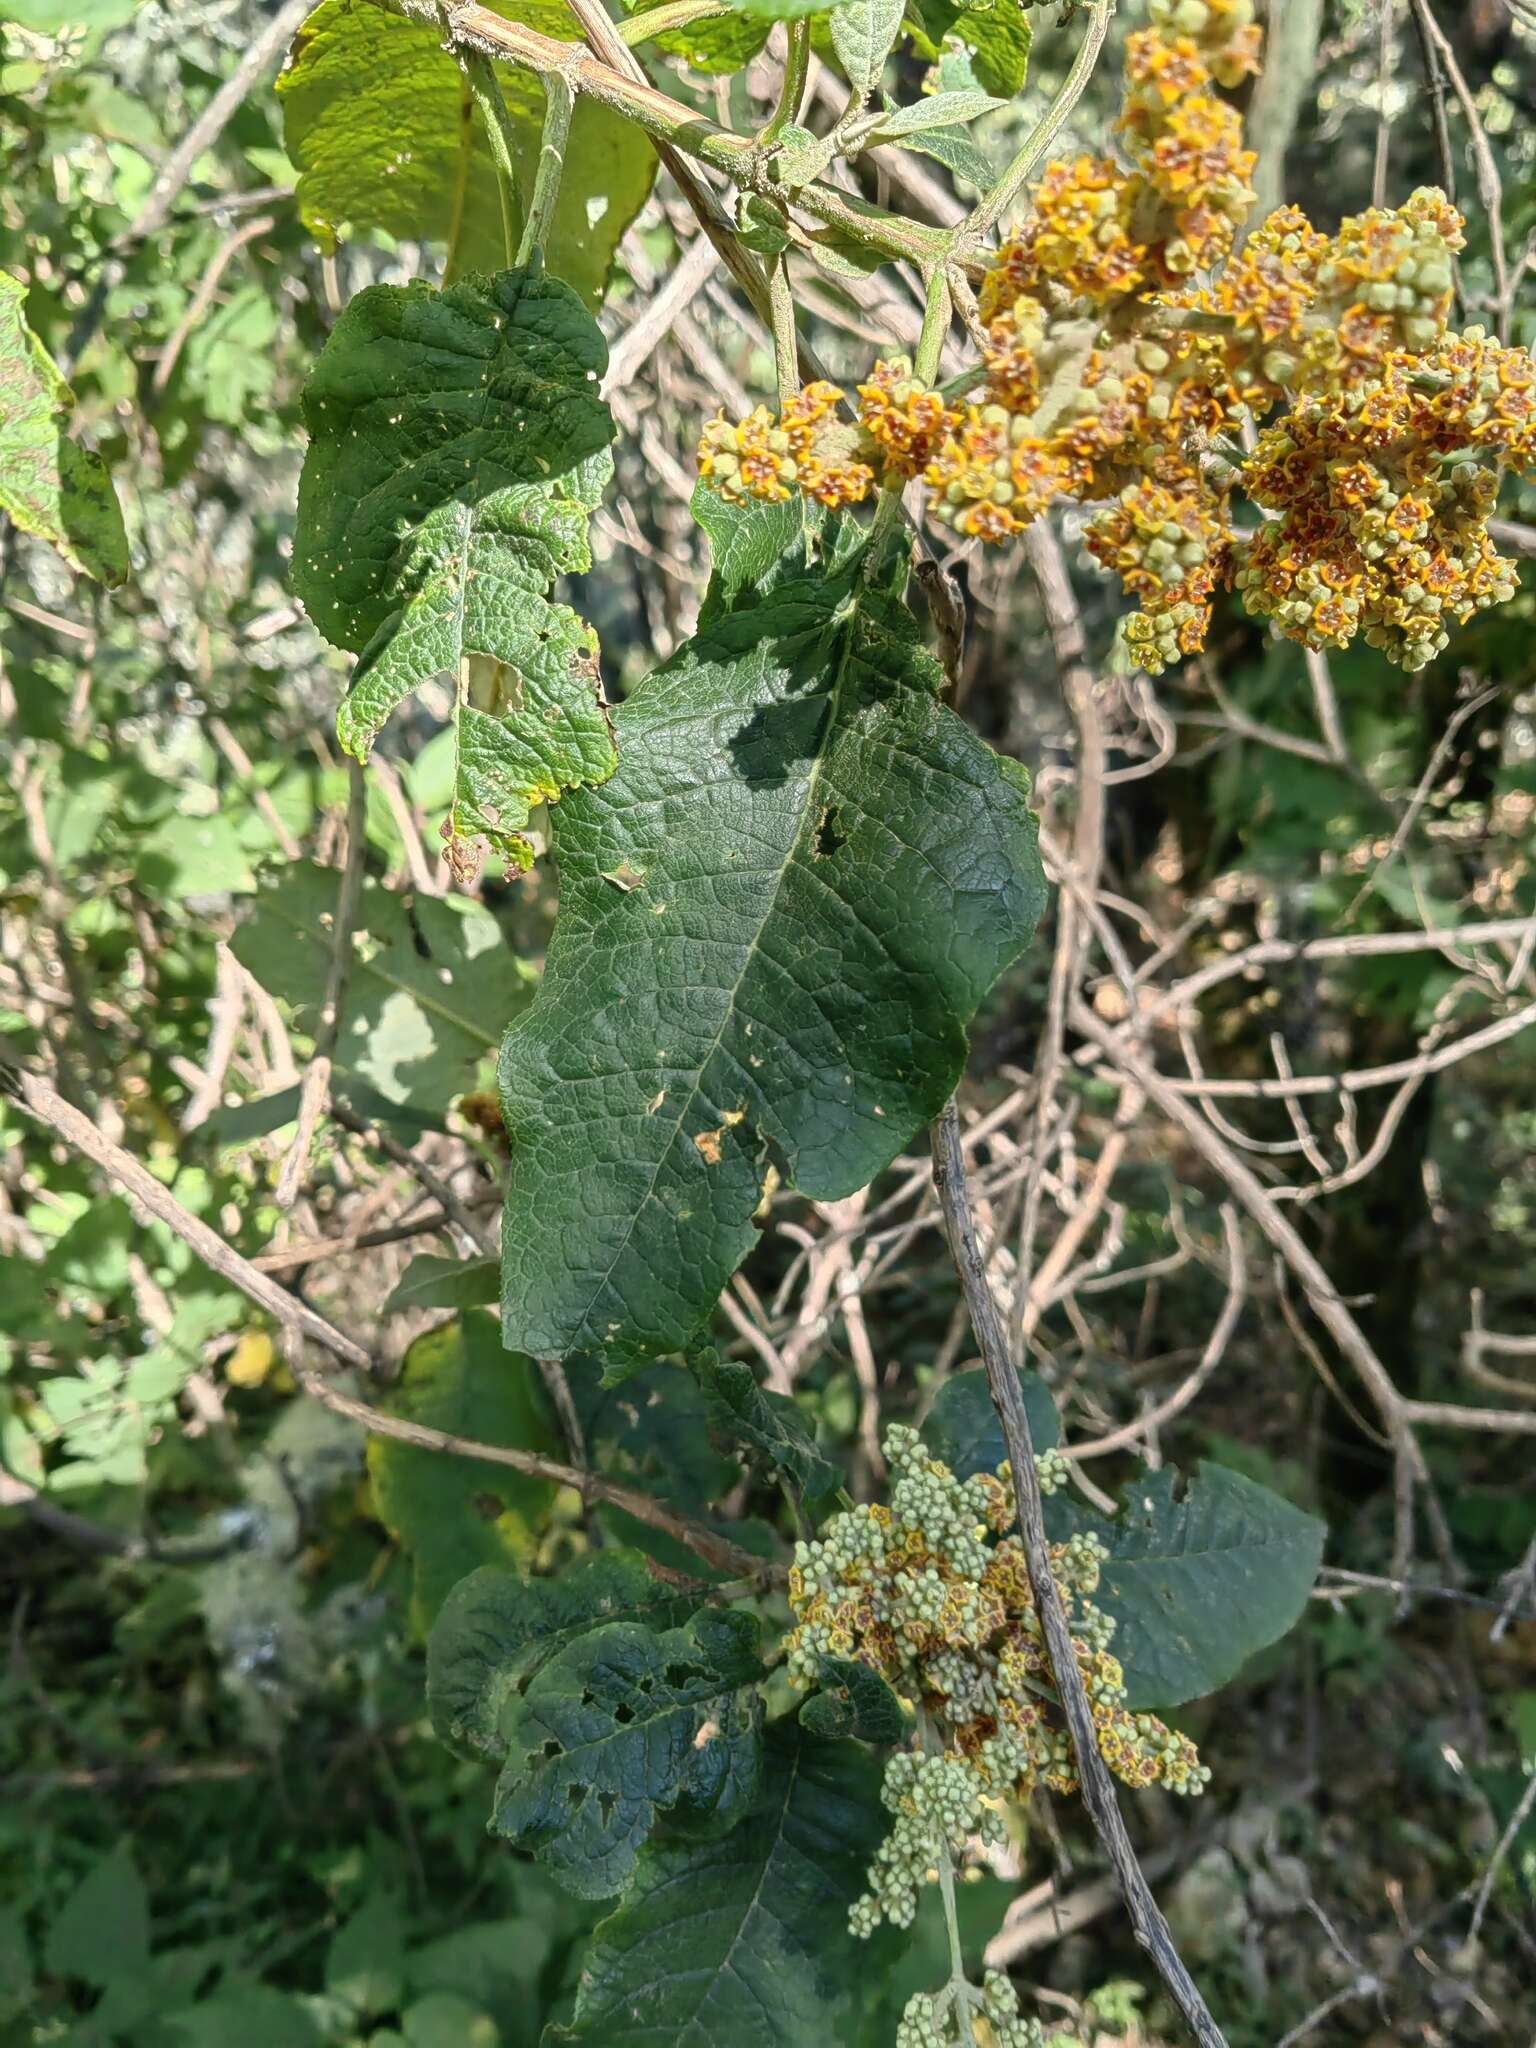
991,207
781,306
797,66
660,21
481,74
560,102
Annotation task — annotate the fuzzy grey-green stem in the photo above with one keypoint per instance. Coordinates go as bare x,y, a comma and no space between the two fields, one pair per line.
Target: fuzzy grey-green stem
991,207
481,74
781,307
660,21
797,67
559,103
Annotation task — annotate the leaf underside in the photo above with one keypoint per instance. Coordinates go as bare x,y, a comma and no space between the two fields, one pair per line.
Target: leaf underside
776,921
380,122
457,450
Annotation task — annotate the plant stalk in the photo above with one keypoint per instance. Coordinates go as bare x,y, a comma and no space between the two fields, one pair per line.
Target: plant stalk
991,207
781,305
797,68
481,74
559,103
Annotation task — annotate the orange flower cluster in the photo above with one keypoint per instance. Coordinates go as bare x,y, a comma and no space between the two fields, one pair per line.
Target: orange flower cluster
921,1593
1128,347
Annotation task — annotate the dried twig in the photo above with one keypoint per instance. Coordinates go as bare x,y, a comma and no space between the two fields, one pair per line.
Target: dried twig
298,1320
315,1087
1151,1929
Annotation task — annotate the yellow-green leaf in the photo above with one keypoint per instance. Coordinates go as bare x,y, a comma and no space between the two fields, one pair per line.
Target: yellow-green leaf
381,123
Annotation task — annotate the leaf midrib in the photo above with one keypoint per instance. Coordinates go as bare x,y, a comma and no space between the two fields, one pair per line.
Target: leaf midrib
834,705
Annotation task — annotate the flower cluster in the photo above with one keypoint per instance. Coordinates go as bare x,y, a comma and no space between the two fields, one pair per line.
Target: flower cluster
934,1594
1130,348
940,2020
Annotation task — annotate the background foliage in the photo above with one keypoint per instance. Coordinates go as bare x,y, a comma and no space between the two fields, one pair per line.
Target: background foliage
225,1815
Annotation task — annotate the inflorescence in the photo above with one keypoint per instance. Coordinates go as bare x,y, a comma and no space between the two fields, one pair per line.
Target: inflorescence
933,1594
1129,342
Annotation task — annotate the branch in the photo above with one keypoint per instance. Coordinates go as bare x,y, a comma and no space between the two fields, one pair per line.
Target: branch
1151,1929
297,1319
316,1085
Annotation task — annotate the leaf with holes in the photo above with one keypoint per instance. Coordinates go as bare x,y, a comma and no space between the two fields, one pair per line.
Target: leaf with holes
1196,1585
457,451
825,871
385,133
623,1723
743,1942
497,1630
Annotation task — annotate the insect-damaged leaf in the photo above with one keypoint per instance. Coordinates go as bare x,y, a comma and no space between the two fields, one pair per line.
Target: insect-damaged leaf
497,1630
832,871
768,1427
623,1722
743,1942
457,449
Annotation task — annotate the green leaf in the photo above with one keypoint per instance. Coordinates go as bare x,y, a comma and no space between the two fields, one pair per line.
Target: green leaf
432,982
939,110
496,1631
998,38
727,43
433,1282
623,1722
654,1429
102,1929
743,1942
834,869
853,1700
49,486
997,33
1198,1585
767,1426
365,1963
862,34
451,1514
956,152
379,120
449,480
962,1426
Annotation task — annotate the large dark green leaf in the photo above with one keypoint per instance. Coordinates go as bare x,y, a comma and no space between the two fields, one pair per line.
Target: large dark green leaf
380,121
623,1722
962,1426
456,454
496,1631
776,921
743,1942
1196,1585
